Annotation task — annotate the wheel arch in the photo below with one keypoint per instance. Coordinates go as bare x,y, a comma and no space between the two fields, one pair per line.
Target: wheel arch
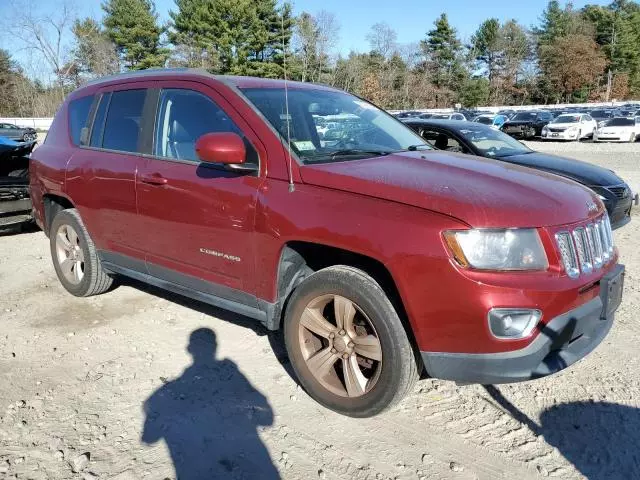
299,259
52,205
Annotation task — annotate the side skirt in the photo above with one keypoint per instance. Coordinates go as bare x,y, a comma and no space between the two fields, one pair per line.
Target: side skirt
261,314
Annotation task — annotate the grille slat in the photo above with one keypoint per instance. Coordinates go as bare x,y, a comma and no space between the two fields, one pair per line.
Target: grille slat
586,248
620,192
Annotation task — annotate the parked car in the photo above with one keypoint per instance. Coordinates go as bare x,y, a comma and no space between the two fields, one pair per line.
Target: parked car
481,140
494,121
527,124
449,116
408,114
360,250
619,129
601,116
572,126
15,205
20,134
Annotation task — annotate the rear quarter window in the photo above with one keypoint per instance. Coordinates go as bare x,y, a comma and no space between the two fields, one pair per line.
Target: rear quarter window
78,116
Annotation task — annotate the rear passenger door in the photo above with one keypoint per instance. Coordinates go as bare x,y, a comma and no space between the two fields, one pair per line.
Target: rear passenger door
101,174
198,219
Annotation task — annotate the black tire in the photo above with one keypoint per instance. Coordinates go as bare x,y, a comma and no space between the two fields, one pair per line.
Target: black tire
399,369
95,280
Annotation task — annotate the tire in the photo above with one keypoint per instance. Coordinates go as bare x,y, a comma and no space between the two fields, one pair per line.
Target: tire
383,382
578,136
86,277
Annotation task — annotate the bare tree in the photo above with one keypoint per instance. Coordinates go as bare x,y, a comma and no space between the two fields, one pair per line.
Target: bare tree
46,33
315,37
383,39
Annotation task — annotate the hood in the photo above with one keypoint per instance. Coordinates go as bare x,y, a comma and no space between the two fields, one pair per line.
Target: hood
478,191
623,128
520,122
582,172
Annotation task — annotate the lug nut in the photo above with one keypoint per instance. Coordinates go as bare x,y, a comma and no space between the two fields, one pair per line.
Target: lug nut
350,344
332,335
345,355
333,350
342,332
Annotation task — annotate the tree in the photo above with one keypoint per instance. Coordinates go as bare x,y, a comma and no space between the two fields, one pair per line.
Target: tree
486,45
572,62
442,51
94,53
132,25
383,39
313,40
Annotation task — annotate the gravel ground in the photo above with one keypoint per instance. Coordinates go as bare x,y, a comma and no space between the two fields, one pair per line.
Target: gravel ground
105,388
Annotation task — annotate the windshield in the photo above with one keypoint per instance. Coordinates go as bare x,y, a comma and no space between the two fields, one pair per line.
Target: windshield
353,128
620,122
524,117
440,116
567,119
484,120
600,114
493,143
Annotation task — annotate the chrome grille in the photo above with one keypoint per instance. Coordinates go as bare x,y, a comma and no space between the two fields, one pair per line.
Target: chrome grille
586,248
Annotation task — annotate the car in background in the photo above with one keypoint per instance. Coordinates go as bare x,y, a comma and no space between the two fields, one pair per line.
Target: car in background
494,121
15,204
570,126
407,114
507,113
619,129
449,116
481,140
601,115
19,134
527,124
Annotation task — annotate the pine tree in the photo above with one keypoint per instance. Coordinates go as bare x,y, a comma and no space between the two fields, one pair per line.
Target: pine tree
133,27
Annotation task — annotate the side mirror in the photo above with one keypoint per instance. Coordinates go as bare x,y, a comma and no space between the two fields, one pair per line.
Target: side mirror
224,147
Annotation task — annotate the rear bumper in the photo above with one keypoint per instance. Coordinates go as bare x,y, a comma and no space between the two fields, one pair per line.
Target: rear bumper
562,342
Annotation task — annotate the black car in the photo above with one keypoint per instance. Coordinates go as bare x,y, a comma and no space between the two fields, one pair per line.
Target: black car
481,140
601,116
527,124
15,204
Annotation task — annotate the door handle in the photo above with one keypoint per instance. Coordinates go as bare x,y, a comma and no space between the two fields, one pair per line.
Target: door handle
155,179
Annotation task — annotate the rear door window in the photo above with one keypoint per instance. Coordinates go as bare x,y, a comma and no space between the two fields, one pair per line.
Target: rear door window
124,120
78,114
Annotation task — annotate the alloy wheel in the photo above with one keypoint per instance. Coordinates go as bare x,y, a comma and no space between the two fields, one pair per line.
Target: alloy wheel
69,254
340,346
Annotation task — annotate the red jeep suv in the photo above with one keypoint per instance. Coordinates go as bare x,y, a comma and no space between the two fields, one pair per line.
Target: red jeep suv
310,209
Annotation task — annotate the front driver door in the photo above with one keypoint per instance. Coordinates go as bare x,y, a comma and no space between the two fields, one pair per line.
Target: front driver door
198,219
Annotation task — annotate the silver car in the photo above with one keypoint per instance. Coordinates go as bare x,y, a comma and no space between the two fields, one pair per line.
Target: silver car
20,134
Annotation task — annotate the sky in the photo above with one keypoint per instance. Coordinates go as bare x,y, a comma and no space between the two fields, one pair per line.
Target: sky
411,19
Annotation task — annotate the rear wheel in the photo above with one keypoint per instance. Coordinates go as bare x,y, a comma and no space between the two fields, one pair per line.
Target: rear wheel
347,344
74,256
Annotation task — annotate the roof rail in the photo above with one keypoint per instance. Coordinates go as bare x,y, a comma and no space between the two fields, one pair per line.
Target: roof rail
144,73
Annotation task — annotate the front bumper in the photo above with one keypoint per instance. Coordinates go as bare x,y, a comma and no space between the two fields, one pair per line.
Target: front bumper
14,212
564,135
562,341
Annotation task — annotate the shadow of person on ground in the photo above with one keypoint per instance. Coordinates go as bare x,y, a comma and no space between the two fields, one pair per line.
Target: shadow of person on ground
602,440
209,418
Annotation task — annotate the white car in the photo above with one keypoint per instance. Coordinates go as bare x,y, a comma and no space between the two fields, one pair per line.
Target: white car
570,126
619,129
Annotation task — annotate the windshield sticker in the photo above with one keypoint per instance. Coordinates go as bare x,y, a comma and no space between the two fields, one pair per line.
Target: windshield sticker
305,145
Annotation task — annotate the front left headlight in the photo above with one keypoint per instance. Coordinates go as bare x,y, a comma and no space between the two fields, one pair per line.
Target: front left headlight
505,249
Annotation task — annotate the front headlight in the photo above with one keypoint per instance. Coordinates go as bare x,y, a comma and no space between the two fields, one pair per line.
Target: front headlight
508,249
573,129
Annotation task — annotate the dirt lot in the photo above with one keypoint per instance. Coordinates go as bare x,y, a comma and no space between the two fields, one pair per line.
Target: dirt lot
106,388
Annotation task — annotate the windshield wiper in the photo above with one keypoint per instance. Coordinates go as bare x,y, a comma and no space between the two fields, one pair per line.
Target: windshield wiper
356,151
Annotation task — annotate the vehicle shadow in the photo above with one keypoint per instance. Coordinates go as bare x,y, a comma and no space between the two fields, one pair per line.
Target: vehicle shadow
601,439
209,418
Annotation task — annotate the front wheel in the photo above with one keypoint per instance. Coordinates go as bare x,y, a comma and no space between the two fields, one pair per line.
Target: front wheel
347,344
74,256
